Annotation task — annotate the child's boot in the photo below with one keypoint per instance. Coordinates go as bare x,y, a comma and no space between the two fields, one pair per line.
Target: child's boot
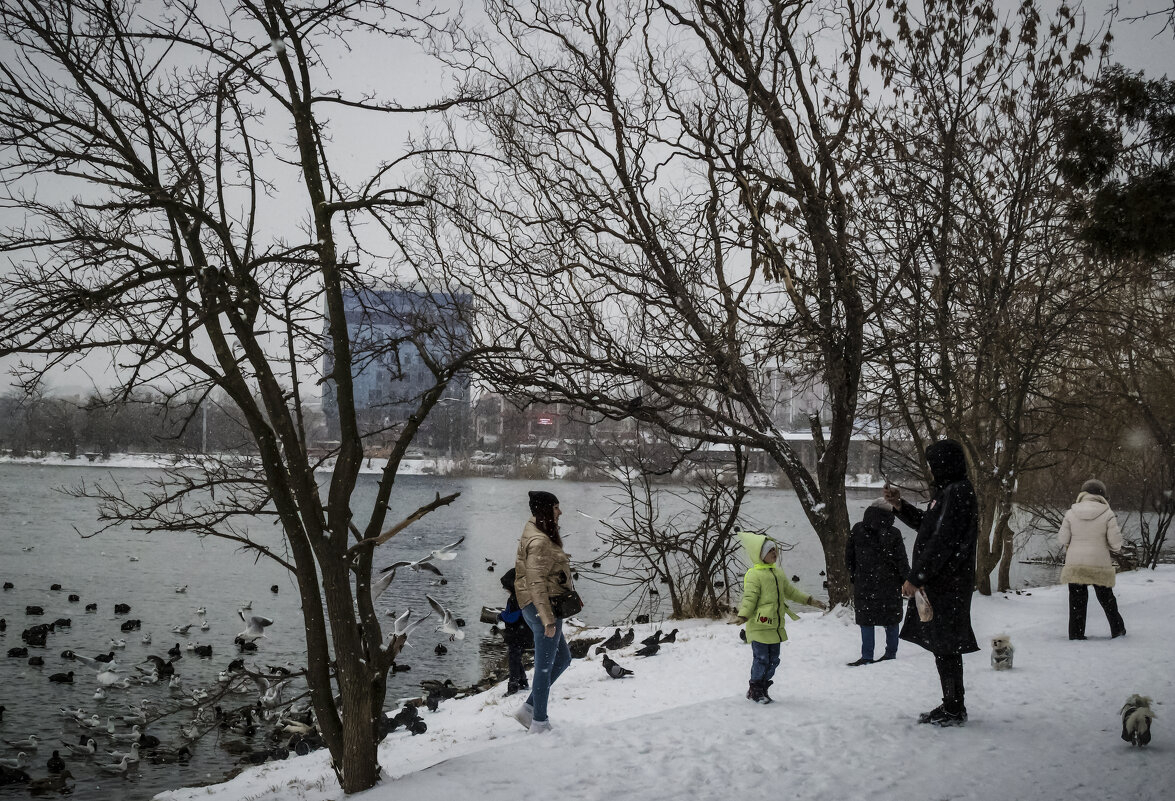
754,692
766,699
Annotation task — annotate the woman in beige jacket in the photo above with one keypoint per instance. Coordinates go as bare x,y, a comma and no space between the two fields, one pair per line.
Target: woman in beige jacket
1089,533
541,571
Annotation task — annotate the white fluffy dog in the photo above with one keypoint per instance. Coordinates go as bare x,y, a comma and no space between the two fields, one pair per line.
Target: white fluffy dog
1001,652
1136,720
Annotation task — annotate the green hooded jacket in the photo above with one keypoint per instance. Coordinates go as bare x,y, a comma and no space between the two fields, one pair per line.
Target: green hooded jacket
766,591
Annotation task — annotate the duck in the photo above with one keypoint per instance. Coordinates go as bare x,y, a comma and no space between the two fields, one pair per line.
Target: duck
55,764
62,678
175,651
56,783
168,756
27,744
203,650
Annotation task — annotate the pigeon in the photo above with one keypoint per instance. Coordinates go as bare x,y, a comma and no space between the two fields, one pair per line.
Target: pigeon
448,623
614,670
254,626
652,639
670,637
613,642
627,639
648,650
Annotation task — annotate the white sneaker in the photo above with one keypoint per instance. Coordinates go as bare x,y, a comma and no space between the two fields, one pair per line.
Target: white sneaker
525,715
540,726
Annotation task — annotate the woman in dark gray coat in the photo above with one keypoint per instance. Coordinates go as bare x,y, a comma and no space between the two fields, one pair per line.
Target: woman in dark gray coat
875,558
943,565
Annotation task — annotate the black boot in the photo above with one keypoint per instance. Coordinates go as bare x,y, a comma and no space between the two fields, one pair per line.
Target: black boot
766,699
754,692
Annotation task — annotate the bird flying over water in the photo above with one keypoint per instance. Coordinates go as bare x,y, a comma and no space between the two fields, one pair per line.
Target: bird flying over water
448,622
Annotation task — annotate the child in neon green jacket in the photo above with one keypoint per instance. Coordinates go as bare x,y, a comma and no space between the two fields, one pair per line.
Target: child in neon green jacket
766,591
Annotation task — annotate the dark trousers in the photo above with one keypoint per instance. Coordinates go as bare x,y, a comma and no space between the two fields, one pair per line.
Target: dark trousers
1079,599
514,658
950,675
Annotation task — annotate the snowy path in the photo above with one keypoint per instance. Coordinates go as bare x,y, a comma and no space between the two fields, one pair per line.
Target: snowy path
681,728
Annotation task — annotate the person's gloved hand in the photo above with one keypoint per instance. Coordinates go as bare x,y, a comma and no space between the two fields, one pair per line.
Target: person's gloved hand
816,602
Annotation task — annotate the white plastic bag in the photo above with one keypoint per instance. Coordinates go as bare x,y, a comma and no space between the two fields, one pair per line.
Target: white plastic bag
925,611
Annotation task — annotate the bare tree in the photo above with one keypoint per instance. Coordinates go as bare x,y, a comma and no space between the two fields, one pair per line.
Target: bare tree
145,150
986,293
664,214
680,541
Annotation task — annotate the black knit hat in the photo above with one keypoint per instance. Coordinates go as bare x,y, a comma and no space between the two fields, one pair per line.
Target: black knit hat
1094,487
541,499
947,462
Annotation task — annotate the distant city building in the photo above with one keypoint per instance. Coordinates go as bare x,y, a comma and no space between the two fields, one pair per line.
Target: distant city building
387,330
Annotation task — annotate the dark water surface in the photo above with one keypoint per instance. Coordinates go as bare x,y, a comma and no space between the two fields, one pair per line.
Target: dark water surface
490,514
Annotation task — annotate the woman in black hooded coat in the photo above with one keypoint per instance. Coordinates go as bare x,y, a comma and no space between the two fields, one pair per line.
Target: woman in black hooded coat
875,558
943,565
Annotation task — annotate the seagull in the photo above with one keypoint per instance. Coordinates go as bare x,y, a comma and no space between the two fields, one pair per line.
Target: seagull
132,737
92,722
401,628
446,553
614,670
182,589
181,629
248,606
76,714
147,638
138,716
27,744
21,761
117,643
118,767
89,749
131,755
109,678
448,623
204,625
202,611
254,626
380,585
99,694
420,564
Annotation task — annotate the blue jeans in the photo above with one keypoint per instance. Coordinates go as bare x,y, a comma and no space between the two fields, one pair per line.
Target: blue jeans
891,641
551,658
765,659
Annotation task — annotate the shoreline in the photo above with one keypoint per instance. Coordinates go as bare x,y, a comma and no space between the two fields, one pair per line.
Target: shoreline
683,717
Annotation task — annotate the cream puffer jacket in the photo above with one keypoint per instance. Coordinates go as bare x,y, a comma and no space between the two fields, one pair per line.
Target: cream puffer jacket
1089,531
541,570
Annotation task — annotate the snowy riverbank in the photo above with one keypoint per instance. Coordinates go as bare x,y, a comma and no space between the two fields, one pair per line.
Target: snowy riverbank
681,728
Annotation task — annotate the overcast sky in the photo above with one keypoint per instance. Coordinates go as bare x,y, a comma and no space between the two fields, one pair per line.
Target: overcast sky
409,77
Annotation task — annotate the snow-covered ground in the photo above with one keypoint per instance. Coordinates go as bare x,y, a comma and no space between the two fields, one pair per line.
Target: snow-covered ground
682,729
